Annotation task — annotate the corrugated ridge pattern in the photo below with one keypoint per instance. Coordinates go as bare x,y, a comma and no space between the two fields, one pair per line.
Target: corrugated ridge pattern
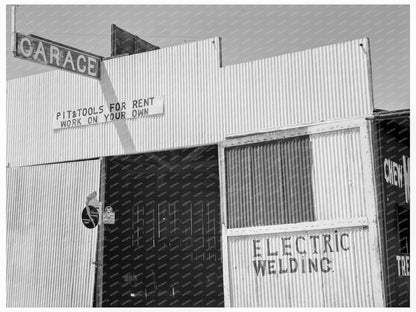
338,184
49,251
348,285
203,102
270,183
186,76
319,84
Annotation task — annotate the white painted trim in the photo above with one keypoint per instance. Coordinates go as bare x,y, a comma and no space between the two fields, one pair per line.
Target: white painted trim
370,73
372,214
224,238
282,133
299,227
99,257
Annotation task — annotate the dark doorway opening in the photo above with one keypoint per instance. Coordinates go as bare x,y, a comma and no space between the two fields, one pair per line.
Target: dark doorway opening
165,246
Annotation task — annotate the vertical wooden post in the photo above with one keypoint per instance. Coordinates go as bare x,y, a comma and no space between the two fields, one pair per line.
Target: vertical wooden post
13,29
224,238
372,213
100,240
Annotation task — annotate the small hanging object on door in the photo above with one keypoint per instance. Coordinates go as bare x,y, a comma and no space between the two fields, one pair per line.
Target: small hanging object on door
109,215
90,214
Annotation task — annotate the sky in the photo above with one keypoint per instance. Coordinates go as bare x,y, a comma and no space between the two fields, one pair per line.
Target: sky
248,32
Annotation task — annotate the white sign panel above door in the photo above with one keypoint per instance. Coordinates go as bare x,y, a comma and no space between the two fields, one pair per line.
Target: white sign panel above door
85,116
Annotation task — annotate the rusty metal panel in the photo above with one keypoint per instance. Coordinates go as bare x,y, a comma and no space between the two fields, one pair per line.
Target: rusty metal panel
325,83
50,253
338,184
203,102
322,268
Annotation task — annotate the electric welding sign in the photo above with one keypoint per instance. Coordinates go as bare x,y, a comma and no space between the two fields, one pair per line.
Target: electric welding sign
90,217
47,52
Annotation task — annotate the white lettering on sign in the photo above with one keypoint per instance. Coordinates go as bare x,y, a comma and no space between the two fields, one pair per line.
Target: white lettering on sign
403,265
81,68
136,108
406,166
26,47
51,53
54,55
395,174
68,60
40,50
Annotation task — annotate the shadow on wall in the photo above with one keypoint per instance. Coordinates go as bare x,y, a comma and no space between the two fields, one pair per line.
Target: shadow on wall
121,126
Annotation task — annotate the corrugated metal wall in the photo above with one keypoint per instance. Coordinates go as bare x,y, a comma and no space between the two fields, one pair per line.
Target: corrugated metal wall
325,177
338,185
319,84
185,76
264,176
309,178
204,103
49,251
317,278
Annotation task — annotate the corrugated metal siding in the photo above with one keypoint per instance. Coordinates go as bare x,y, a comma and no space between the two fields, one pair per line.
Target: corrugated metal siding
270,183
338,185
186,76
347,284
325,174
49,251
325,83
306,178
203,102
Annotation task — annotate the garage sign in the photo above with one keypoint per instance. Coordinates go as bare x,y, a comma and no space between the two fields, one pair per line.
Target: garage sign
47,52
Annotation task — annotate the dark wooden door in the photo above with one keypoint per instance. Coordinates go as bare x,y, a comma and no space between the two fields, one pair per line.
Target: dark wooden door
164,249
178,240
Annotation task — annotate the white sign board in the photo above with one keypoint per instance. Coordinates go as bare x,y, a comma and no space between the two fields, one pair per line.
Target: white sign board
137,108
109,216
47,52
